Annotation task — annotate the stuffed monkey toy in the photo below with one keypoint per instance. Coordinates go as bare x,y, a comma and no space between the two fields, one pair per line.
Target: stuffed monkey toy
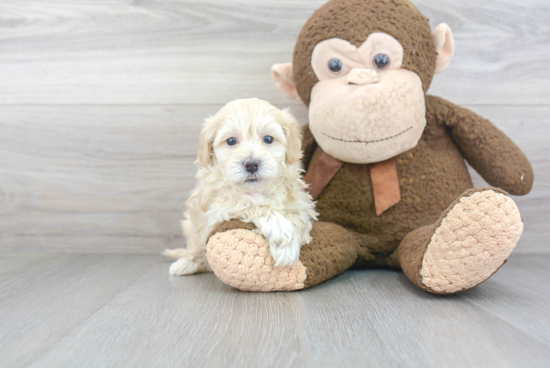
386,161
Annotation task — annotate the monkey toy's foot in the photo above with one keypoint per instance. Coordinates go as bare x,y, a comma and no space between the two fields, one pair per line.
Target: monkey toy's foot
240,258
468,244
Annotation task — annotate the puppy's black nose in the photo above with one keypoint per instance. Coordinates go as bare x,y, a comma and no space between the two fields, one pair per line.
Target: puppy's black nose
251,165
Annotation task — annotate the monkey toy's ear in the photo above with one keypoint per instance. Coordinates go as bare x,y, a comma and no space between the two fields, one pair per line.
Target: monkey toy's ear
444,45
284,80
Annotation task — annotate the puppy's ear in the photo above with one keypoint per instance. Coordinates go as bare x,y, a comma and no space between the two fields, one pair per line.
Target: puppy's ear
293,135
206,140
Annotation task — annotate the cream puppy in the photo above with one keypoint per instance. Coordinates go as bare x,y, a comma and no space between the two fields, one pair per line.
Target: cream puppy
249,169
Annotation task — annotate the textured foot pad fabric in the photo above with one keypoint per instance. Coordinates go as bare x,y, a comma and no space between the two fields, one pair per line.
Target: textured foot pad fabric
241,258
472,241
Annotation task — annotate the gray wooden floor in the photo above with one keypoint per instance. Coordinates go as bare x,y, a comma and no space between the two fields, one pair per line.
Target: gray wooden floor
92,310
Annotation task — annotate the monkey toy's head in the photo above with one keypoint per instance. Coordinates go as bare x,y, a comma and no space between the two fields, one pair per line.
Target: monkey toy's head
363,67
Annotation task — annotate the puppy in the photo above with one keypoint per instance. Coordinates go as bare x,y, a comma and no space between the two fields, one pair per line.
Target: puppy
249,169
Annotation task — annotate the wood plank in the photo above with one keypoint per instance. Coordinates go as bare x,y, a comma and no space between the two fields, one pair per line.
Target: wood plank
115,178
10,262
520,295
194,321
379,318
97,178
39,305
374,318
197,52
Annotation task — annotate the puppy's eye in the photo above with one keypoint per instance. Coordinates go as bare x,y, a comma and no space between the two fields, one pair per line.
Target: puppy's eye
381,61
232,141
335,66
268,139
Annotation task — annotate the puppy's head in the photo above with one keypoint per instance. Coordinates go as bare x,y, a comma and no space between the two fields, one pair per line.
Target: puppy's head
250,141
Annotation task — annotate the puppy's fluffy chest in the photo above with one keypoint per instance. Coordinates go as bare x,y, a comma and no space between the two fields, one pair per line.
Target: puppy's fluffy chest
246,206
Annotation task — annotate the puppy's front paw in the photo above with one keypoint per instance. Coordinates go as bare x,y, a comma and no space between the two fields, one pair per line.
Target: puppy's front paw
186,266
285,255
284,239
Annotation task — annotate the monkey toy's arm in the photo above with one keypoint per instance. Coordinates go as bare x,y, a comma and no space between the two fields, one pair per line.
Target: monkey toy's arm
490,152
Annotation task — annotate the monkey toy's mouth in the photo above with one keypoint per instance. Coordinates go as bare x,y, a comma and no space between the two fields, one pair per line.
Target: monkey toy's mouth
367,142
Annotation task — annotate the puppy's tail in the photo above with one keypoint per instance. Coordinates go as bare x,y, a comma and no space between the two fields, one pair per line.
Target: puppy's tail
175,253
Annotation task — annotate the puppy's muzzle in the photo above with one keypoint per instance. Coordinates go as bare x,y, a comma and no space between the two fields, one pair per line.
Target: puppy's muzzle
251,165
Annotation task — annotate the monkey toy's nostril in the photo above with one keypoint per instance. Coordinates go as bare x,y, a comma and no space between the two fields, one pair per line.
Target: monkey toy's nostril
251,165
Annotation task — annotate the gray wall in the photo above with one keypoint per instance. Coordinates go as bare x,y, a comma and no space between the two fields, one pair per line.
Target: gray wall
101,104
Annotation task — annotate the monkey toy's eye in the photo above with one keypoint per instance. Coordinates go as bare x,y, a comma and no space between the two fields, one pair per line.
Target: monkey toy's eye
268,139
335,65
232,141
381,61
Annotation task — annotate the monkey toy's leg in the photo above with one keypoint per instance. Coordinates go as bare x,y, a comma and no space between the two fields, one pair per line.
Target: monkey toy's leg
240,257
467,245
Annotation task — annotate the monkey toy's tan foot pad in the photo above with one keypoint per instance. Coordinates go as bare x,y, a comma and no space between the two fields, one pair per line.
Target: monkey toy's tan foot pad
240,258
468,244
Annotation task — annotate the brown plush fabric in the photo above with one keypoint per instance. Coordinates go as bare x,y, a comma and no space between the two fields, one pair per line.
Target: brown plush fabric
332,250
308,146
431,176
411,253
487,149
354,20
230,225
